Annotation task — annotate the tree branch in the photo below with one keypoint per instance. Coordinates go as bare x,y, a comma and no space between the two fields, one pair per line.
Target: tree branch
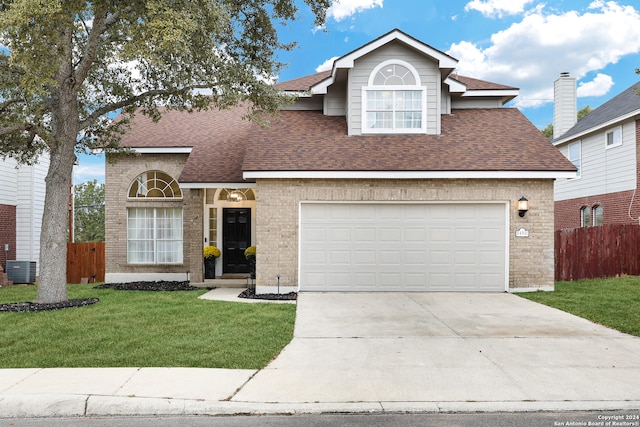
94,116
8,102
102,21
15,128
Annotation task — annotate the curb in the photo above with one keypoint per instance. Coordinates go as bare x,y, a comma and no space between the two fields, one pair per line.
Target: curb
47,405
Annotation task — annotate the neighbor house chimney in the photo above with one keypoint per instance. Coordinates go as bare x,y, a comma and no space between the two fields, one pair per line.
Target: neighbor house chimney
565,104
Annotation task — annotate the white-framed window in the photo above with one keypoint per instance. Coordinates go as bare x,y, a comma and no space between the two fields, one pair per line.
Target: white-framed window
154,236
574,154
598,215
154,233
613,137
585,216
394,100
153,185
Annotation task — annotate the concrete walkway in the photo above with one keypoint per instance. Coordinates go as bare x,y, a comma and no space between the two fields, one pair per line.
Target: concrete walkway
372,353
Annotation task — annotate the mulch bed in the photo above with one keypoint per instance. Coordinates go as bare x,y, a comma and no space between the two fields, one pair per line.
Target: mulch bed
162,285
20,307
251,294
29,306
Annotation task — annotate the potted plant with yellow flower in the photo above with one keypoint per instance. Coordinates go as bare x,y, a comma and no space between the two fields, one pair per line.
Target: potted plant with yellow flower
210,255
250,255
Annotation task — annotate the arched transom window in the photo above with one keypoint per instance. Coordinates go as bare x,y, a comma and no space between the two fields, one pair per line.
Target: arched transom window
394,101
154,184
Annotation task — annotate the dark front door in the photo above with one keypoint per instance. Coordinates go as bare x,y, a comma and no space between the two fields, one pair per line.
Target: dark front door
236,237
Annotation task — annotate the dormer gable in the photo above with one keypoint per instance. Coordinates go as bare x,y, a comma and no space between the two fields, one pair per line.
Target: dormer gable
395,84
446,62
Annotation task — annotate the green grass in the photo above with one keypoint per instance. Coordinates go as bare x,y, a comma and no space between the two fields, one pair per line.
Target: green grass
611,302
147,329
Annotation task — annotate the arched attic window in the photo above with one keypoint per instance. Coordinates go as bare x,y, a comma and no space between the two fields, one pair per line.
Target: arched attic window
154,184
394,100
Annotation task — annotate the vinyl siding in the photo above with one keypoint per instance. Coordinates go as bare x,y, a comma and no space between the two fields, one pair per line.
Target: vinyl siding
359,77
311,103
335,101
603,170
460,103
29,211
8,182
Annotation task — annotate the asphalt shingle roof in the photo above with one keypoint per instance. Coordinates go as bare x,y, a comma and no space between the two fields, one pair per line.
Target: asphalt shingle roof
618,106
471,140
225,145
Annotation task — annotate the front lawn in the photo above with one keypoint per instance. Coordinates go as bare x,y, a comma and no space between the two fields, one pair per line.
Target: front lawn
611,302
143,329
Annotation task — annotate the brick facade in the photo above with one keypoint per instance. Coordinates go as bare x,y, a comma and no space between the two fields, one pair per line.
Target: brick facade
277,209
118,179
530,259
617,208
7,233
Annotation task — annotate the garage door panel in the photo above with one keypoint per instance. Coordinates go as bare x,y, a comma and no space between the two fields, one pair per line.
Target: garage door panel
339,257
439,235
364,234
415,234
410,247
364,258
417,258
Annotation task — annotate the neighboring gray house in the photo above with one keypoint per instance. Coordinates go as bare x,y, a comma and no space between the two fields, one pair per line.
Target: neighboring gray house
389,173
604,147
22,192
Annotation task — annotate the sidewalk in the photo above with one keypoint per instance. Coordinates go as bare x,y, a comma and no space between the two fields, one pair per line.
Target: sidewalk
188,391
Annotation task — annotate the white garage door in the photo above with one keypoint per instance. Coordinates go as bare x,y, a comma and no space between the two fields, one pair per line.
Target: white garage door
403,247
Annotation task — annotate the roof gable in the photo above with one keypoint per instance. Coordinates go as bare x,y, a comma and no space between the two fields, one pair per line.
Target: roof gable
445,62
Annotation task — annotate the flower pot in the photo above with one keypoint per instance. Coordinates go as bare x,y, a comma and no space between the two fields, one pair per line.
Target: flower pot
209,268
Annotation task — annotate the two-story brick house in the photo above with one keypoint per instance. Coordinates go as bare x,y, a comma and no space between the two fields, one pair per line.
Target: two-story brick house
604,147
389,173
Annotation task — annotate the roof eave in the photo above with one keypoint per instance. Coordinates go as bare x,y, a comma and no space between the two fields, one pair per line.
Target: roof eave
194,185
544,174
161,150
596,128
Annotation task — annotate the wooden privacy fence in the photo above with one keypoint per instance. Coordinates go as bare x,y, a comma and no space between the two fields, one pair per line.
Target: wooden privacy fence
85,260
593,252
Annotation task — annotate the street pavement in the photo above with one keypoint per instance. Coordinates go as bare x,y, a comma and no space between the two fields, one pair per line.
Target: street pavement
371,353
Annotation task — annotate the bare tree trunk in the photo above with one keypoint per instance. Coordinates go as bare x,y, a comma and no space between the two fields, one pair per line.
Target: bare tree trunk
52,284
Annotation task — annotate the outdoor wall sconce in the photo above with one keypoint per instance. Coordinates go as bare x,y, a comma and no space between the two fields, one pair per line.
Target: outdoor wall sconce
523,206
235,196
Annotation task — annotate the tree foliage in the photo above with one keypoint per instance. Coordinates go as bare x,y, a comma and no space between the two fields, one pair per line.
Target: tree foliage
66,64
88,212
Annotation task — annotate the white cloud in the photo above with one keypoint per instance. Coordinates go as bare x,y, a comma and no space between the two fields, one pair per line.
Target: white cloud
600,85
531,54
341,9
90,168
326,65
497,8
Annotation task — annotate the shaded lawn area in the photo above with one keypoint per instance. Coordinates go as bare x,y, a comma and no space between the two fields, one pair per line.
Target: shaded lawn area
613,302
143,329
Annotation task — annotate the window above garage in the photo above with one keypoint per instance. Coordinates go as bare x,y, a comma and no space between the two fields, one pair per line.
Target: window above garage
394,100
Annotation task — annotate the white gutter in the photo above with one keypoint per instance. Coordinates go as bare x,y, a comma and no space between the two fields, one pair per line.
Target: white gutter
217,185
162,150
410,175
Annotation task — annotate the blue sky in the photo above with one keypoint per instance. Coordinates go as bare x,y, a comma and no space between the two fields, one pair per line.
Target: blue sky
521,43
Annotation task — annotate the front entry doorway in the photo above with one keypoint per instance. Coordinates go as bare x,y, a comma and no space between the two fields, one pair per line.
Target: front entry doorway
236,237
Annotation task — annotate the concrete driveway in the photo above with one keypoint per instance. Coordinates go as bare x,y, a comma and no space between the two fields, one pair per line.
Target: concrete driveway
445,347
